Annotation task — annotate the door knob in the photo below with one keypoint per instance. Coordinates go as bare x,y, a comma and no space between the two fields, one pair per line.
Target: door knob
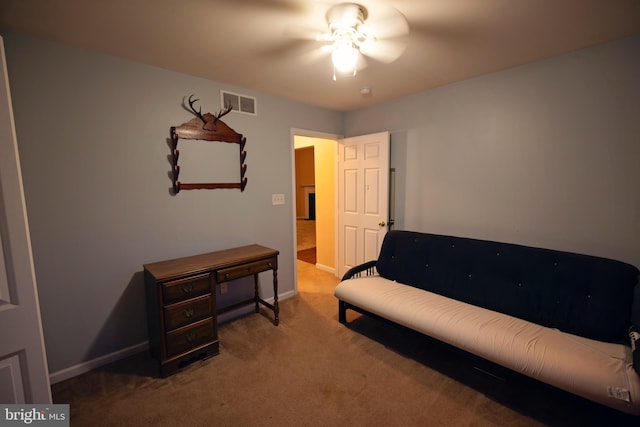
382,223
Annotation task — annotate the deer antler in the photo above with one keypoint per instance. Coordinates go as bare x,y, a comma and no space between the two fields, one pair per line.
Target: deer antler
221,113
197,113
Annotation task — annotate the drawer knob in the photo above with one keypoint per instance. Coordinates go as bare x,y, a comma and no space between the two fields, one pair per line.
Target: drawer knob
226,276
189,312
186,288
191,337
270,265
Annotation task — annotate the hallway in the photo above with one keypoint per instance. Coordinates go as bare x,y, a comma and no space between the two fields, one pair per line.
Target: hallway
306,240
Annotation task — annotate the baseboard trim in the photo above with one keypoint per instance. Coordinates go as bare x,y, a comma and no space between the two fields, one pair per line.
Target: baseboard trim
84,367
246,310
325,268
81,368
283,296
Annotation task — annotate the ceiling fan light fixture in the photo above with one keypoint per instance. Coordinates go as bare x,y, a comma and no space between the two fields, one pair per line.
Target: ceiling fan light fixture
350,38
344,57
344,21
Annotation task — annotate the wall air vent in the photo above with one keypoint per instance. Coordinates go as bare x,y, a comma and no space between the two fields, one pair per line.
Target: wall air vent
241,103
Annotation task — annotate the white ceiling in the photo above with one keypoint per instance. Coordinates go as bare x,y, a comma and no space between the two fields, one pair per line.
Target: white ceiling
247,43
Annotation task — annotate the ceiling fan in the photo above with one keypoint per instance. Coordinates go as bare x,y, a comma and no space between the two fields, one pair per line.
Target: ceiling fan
354,33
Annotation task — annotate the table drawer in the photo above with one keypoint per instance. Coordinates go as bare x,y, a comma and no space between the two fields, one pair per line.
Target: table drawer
184,339
248,269
190,311
187,288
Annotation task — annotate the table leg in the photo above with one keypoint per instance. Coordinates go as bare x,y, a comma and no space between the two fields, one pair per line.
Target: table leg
276,310
256,293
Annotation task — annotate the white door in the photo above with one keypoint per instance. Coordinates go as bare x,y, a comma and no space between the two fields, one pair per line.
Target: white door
24,376
363,198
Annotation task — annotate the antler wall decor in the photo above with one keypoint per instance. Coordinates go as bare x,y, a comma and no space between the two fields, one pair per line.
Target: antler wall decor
207,127
198,113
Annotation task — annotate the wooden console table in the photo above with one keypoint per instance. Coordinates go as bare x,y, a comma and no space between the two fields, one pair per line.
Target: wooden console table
181,301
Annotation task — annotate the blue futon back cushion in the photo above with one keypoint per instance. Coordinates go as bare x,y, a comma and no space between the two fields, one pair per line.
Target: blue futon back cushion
579,294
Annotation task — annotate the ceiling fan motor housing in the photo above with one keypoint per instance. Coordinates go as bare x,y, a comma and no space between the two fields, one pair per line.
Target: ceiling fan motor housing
346,19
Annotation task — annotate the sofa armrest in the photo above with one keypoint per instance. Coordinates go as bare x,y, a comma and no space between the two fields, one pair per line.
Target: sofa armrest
634,335
367,267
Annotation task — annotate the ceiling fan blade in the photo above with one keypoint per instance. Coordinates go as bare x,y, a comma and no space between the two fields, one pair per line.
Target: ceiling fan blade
385,51
315,54
362,62
386,22
305,33
277,5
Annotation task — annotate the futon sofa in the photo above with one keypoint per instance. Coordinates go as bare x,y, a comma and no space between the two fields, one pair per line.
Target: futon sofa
559,317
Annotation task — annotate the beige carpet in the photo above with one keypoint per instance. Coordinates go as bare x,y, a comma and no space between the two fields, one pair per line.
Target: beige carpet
312,371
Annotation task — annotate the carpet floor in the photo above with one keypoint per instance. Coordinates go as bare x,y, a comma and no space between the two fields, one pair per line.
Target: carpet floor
312,371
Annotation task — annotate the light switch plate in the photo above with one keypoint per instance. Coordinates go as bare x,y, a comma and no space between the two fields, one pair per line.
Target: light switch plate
277,199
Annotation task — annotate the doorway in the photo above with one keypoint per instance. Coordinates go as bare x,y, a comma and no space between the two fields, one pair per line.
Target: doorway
314,192
305,203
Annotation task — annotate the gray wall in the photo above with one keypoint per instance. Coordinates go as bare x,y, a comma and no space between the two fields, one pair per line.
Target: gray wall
92,133
546,154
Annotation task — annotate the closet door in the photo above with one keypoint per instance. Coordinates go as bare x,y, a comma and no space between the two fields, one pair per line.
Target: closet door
24,377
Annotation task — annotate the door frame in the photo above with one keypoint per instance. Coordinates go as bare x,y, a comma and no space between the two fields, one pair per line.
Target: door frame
311,134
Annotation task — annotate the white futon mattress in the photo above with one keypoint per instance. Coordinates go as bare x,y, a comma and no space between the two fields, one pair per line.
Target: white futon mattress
602,372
